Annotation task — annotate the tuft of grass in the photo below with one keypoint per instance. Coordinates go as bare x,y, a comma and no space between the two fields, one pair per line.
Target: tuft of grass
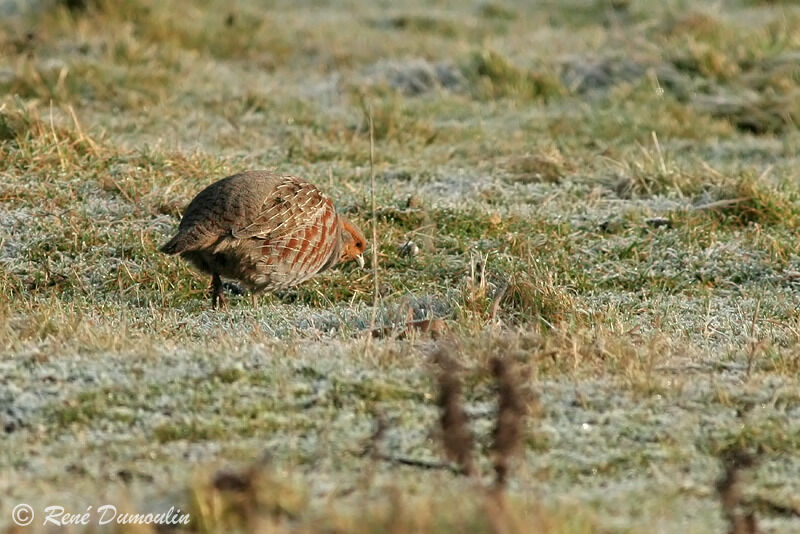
765,113
259,497
752,199
422,24
191,431
394,119
538,296
496,10
493,76
254,498
549,165
744,74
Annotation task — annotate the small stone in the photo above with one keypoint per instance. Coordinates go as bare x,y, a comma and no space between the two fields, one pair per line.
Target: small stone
658,222
409,249
414,201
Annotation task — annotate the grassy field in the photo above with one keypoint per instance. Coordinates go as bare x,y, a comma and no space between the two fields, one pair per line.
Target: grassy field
605,195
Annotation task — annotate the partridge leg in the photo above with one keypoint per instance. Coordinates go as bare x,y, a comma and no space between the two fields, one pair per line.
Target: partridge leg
216,292
254,297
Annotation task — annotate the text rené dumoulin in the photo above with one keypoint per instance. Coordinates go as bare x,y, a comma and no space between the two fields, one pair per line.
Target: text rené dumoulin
108,514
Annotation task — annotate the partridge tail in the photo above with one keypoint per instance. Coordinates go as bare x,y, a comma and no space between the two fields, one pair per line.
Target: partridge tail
184,242
173,246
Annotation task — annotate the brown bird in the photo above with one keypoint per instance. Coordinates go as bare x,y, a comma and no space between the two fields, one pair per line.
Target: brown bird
265,230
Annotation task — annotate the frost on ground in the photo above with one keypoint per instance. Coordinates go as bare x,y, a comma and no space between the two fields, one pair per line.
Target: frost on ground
605,194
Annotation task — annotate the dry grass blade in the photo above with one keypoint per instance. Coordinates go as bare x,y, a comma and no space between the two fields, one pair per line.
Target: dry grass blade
374,244
81,135
499,293
754,343
717,204
373,445
56,141
373,449
421,464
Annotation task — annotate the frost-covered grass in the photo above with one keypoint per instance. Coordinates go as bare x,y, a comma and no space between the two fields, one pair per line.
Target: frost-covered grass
605,192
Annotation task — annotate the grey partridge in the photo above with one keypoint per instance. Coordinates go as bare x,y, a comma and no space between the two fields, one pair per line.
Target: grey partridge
267,231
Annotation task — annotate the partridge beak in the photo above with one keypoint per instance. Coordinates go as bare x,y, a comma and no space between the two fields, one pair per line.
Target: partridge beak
360,260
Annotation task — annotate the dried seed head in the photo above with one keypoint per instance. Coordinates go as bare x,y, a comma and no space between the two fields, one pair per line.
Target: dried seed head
456,435
511,411
730,494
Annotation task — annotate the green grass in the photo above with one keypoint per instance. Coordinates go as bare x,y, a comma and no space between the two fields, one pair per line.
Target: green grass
604,192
